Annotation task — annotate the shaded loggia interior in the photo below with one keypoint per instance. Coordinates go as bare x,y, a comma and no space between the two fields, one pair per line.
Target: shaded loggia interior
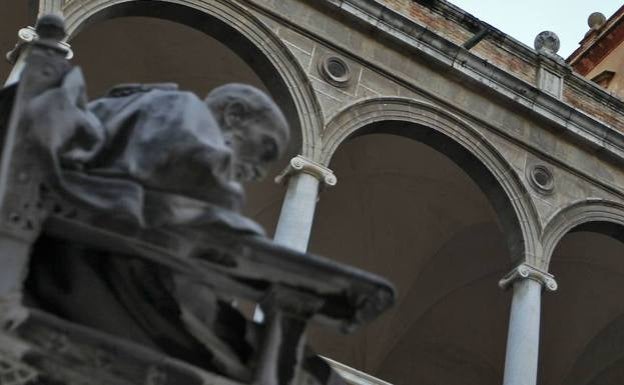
403,210
409,213
583,323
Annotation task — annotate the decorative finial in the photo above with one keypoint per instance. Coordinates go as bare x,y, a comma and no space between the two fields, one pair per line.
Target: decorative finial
596,20
547,41
51,26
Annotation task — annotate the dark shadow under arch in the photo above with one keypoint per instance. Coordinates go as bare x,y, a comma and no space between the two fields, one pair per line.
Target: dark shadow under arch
602,355
220,31
610,229
470,164
587,311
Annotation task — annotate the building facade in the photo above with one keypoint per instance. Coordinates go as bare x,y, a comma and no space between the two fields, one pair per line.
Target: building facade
483,177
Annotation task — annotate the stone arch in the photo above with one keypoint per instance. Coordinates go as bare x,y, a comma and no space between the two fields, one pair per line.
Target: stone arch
582,246
487,167
594,214
246,35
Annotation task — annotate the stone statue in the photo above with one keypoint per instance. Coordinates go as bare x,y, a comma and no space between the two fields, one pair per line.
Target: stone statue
130,205
171,141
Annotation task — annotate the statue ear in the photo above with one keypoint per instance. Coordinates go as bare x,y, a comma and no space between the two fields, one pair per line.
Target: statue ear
234,114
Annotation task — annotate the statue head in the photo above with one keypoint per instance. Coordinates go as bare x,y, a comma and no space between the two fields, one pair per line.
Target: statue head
253,126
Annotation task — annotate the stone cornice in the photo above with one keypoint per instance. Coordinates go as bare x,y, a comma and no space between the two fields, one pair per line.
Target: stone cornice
594,133
526,271
302,164
472,23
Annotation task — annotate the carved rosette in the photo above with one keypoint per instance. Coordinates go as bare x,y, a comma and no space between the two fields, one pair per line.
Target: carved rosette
526,271
301,164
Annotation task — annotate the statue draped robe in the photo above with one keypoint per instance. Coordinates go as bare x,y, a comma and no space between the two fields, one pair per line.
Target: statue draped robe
152,157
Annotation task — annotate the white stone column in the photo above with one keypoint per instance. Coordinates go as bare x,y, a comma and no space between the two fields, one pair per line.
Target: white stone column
521,361
294,226
305,178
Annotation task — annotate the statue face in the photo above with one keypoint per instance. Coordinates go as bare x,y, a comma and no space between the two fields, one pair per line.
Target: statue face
253,126
257,138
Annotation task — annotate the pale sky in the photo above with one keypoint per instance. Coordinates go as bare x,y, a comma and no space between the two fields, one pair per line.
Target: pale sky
524,19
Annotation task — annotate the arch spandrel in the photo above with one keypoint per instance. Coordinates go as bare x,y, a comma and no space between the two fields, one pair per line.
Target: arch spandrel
520,219
256,34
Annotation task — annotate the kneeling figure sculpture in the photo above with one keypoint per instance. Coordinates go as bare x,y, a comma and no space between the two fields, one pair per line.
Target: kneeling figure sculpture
122,247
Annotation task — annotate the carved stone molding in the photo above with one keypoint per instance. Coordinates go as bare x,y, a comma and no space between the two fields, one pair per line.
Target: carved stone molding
526,271
541,179
335,70
301,164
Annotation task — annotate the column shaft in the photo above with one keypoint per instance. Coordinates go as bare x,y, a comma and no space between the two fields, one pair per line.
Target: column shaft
524,329
295,221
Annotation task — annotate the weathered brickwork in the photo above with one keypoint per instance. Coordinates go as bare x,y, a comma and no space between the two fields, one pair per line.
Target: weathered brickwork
435,21
499,50
504,59
459,32
596,108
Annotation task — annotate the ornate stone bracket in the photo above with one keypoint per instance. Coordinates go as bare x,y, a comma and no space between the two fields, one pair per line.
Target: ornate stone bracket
301,164
526,271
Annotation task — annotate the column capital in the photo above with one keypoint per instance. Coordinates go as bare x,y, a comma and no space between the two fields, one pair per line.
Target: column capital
301,164
526,271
